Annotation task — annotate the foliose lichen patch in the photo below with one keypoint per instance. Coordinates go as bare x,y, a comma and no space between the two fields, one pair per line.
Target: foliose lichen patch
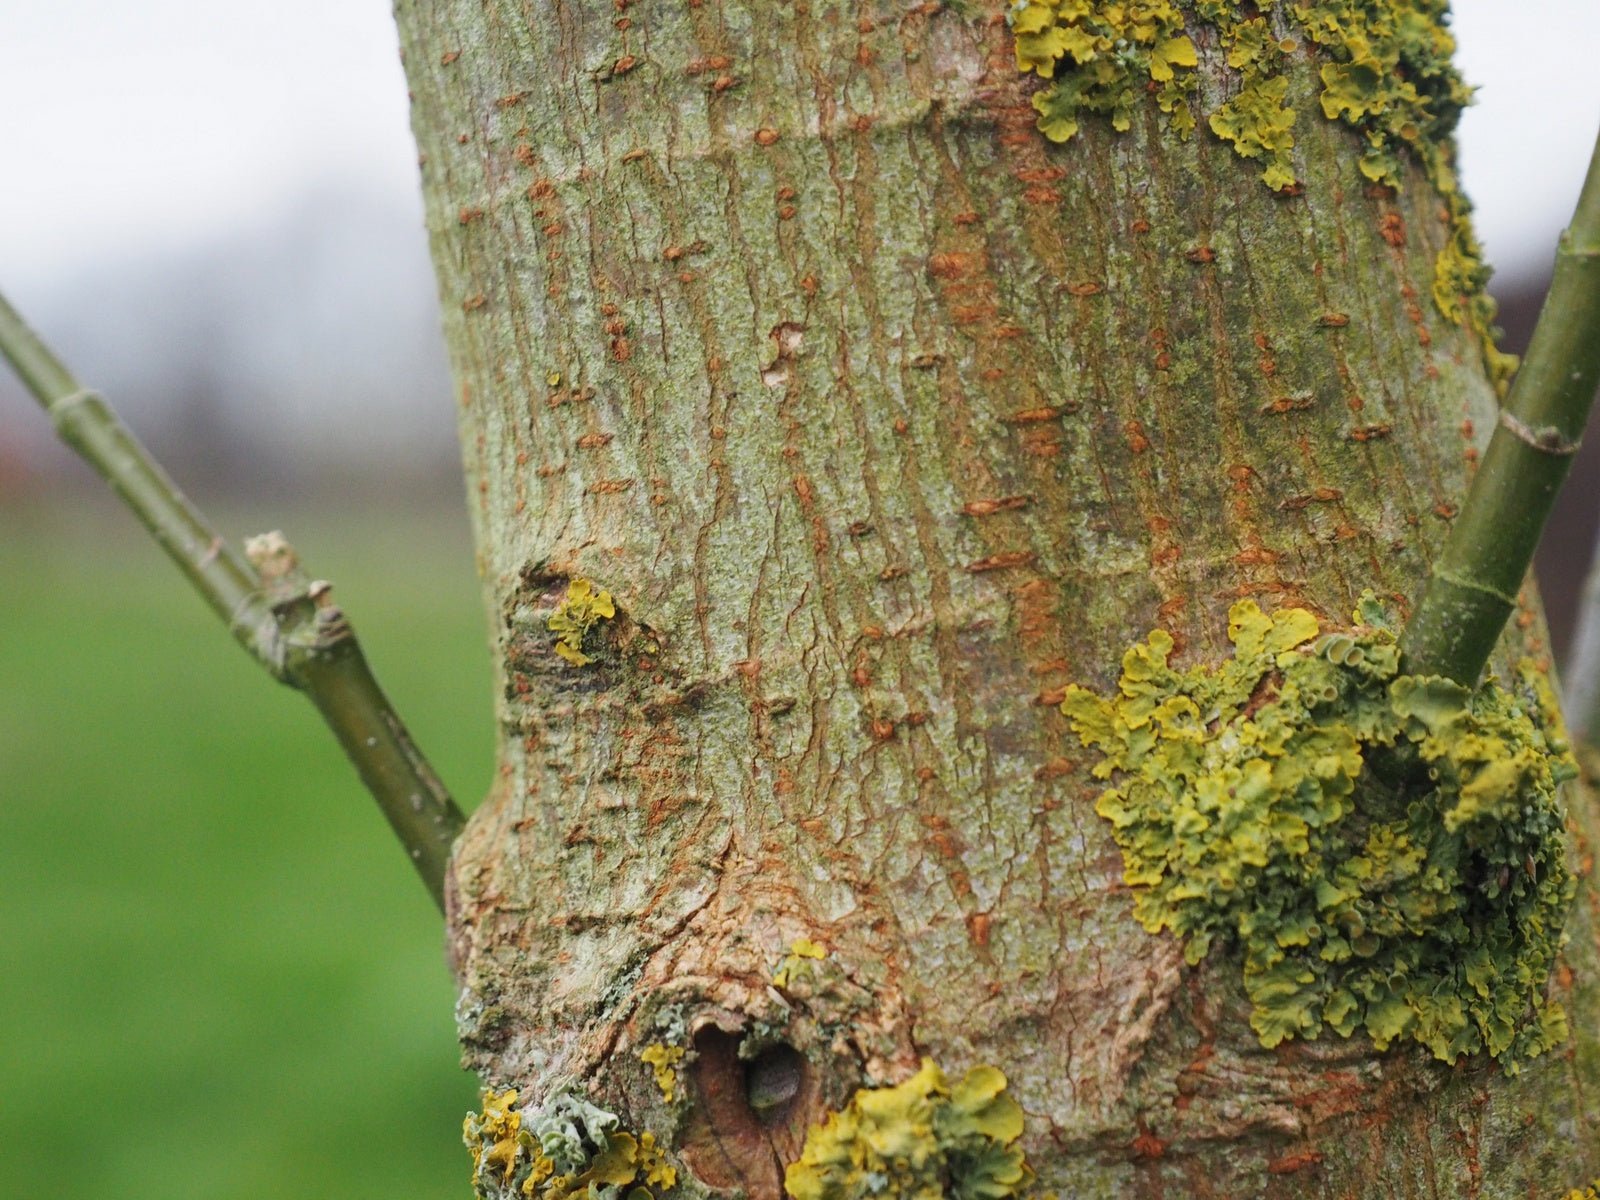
564,1147
663,1061
583,607
1108,52
1385,852
1386,72
924,1139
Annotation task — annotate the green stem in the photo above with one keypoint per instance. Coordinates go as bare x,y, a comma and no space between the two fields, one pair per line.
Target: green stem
287,623
86,423
1477,575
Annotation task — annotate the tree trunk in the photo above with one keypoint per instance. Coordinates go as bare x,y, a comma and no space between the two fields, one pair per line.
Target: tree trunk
884,419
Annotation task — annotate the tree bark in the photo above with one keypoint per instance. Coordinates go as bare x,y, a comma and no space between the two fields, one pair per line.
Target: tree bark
884,419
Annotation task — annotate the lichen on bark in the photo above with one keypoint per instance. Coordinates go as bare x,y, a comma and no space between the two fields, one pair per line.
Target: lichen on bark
923,1139
1384,852
580,610
884,420
561,1148
1388,74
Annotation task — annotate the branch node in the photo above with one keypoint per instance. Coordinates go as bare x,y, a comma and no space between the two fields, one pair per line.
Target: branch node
1473,585
59,407
286,621
1546,439
331,626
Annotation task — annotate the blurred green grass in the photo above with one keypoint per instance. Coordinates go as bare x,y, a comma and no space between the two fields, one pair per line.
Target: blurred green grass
218,974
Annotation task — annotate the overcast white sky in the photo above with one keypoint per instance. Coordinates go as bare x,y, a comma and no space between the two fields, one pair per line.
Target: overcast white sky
144,123
151,122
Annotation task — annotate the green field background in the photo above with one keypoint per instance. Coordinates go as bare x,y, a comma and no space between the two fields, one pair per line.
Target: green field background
218,976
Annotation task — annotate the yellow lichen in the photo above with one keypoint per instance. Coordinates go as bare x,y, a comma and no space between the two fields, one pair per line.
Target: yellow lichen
562,1149
1393,80
492,1134
1592,1192
654,1168
1389,76
1386,852
663,1061
581,609
919,1140
802,952
1258,123
1109,51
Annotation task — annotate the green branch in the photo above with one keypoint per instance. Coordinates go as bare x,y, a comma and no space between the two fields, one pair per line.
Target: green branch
1478,573
287,622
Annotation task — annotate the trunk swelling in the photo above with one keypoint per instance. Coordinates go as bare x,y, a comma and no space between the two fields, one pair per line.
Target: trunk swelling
883,420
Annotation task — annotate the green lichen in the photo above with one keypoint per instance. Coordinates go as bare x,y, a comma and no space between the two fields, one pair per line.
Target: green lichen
1260,125
1393,80
580,610
1385,851
923,1139
1110,50
563,1149
671,1023
1389,76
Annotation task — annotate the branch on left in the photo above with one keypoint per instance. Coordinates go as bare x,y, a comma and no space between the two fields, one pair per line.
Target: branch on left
286,620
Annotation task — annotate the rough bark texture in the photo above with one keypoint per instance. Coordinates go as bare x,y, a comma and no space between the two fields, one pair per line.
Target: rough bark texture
883,420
